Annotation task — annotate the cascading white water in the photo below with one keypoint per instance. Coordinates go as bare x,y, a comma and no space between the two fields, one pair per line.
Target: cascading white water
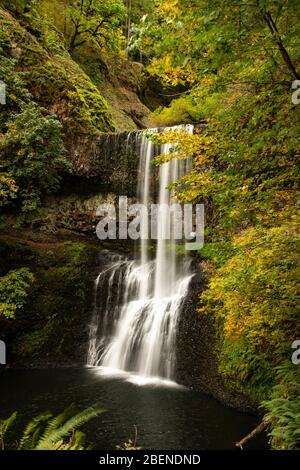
139,320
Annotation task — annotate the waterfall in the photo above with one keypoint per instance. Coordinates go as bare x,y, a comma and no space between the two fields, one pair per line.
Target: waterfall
134,330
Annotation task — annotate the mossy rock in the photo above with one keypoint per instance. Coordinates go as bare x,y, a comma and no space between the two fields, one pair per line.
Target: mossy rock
51,325
58,84
55,78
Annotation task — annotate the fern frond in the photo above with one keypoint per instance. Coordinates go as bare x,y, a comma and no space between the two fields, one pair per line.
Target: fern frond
64,431
5,424
59,420
33,431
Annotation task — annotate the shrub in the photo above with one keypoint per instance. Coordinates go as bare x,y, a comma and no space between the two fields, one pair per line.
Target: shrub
33,154
14,289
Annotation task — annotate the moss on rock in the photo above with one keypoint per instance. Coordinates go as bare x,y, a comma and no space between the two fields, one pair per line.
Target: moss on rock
50,324
57,83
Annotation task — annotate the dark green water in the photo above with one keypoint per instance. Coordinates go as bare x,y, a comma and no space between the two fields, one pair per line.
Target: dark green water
166,417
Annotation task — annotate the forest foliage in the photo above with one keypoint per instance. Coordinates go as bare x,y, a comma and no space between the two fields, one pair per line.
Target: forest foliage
237,62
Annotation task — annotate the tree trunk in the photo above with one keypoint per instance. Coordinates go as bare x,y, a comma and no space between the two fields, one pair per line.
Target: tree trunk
65,17
275,33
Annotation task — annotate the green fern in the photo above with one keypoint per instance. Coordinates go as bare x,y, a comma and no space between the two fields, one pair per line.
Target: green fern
284,409
55,422
57,433
48,432
33,431
4,426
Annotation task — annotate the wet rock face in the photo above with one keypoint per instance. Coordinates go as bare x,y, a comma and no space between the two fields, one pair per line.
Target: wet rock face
76,213
117,162
197,351
112,160
108,172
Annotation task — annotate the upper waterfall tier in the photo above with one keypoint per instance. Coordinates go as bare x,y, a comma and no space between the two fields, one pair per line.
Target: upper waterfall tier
117,161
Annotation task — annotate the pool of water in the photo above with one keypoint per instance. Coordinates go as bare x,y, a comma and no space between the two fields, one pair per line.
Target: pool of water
166,416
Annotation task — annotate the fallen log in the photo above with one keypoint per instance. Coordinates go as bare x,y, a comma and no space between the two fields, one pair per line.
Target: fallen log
253,433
